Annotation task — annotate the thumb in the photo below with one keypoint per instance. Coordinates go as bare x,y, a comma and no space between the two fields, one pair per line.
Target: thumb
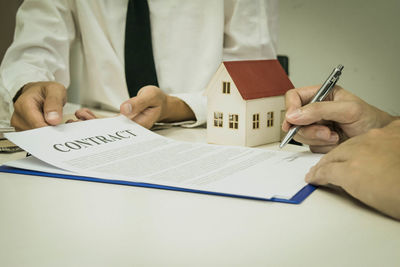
55,98
337,111
147,97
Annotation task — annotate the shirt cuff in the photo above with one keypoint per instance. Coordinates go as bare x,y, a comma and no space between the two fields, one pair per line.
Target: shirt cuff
198,103
15,77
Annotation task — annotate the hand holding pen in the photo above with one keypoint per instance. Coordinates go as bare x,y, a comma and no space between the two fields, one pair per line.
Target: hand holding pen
366,164
328,123
322,93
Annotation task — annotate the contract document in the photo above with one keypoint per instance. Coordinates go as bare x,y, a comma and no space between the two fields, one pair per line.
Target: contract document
121,150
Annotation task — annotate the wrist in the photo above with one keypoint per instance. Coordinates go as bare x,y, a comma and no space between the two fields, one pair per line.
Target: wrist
386,118
176,110
377,118
18,94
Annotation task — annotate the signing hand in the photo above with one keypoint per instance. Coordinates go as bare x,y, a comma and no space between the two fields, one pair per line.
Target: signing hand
328,123
39,105
367,167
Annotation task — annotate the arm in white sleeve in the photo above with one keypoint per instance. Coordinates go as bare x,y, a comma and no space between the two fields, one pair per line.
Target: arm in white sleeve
198,103
40,50
250,29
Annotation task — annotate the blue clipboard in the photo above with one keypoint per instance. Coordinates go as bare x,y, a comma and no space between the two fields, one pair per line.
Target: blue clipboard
296,199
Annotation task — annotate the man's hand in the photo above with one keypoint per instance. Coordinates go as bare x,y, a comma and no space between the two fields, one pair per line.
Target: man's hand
367,167
39,105
328,123
83,114
151,105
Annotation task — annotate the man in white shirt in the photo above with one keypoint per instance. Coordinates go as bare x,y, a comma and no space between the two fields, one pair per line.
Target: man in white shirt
79,45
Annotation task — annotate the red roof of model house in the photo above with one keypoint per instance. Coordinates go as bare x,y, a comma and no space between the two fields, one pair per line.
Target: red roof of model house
258,78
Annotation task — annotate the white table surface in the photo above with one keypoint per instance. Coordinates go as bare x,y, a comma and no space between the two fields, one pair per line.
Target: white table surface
57,222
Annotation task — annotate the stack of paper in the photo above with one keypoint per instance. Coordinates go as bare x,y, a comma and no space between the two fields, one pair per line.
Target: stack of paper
6,145
117,150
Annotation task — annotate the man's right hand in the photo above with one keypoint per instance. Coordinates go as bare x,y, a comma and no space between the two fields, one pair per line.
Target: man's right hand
328,123
39,105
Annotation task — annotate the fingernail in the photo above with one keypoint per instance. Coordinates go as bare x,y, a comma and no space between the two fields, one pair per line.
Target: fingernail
52,115
127,108
295,114
324,135
334,137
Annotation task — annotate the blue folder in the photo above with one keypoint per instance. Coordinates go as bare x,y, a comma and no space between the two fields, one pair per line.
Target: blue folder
296,199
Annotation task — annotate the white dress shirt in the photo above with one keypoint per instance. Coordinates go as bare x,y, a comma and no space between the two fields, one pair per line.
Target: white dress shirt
80,44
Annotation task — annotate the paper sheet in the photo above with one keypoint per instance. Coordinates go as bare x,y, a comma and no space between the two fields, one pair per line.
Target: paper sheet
117,148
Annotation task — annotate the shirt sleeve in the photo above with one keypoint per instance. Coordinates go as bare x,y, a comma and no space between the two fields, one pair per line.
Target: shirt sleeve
198,103
250,29
40,50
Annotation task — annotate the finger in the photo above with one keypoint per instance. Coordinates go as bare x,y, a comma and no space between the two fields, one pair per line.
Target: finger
292,100
22,124
71,120
85,114
338,111
286,126
27,114
307,93
16,123
55,98
317,135
322,149
146,98
135,105
326,159
148,117
298,97
295,99
335,173
35,120
341,153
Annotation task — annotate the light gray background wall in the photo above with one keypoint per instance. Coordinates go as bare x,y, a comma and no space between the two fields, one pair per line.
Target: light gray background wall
363,35
317,35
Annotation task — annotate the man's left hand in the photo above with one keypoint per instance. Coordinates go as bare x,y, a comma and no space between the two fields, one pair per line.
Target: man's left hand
151,105
367,167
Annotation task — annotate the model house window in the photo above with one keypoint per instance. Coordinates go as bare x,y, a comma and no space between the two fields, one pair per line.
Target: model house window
218,119
256,121
233,121
270,119
226,87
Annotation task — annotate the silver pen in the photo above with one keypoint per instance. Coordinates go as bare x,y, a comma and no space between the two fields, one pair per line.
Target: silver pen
320,96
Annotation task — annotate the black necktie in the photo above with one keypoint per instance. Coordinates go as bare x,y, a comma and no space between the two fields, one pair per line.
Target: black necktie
139,62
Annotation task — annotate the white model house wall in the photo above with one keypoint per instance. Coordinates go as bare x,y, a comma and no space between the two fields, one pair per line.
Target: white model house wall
264,133
227,104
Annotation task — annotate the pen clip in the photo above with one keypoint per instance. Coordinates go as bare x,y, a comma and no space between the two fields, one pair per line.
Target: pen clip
331,82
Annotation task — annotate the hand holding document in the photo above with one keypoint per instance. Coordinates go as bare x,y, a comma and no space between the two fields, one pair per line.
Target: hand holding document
117,149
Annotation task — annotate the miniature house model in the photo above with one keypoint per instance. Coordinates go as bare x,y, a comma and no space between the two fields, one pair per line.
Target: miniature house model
246,104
